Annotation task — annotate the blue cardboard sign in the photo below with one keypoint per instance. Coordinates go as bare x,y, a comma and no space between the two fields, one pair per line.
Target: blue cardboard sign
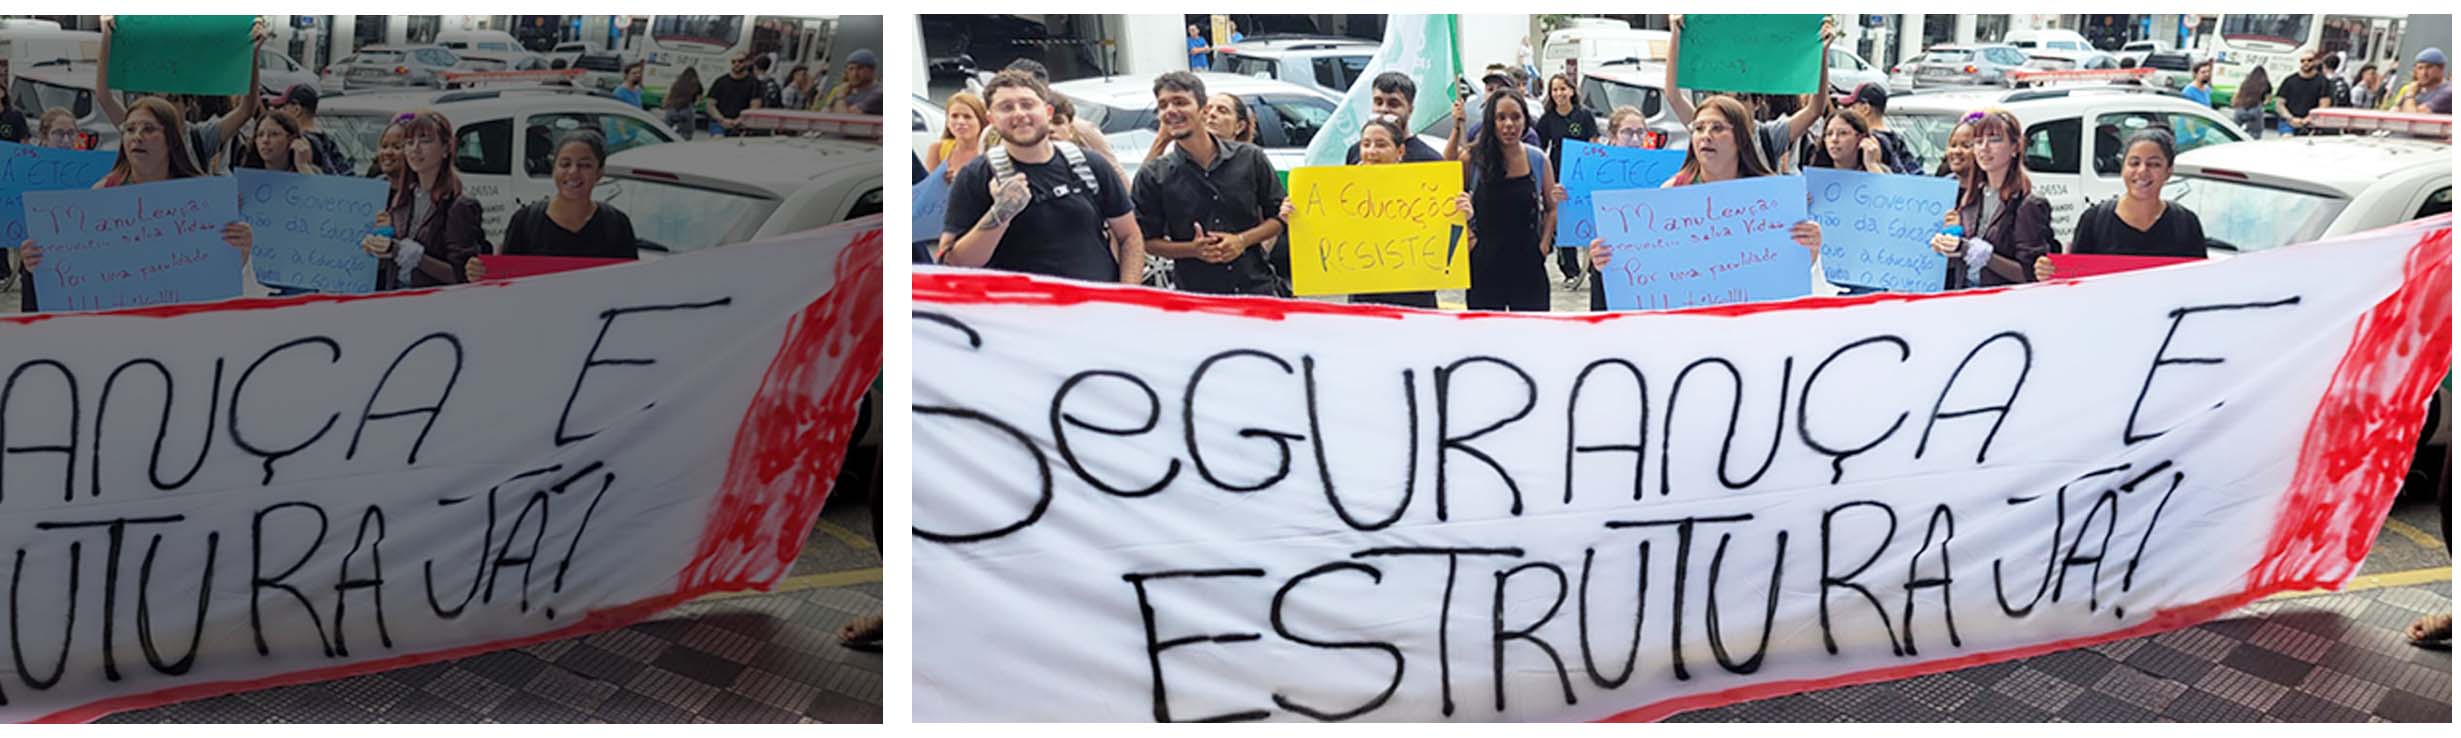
1876,228
1704,244
26,169
134,246
931,204
308,228
1589,168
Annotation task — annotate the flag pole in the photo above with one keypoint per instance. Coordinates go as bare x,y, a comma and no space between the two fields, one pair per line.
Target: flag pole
1452,25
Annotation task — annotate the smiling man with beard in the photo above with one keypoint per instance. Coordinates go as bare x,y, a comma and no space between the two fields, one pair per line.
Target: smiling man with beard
1211,204
1036,205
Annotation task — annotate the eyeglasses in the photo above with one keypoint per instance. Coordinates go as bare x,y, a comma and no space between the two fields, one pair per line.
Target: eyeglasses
1711,129
1630,132
140,129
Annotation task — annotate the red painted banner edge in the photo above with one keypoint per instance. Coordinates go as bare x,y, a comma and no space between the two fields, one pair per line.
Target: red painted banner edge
863,242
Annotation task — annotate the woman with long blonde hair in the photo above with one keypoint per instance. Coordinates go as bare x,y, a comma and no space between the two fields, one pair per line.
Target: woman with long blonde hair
961,136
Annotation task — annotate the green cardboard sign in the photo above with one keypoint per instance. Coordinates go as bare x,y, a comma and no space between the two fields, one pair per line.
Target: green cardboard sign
1778,54
183,54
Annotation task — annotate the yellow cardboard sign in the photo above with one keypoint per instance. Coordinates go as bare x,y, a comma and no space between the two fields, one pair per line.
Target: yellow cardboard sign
1377,228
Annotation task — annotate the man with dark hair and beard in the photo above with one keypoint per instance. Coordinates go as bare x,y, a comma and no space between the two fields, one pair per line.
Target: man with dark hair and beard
1036,205
1210,203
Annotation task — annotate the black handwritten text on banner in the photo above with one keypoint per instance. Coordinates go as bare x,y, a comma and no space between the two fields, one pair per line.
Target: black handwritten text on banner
196,499
1276,510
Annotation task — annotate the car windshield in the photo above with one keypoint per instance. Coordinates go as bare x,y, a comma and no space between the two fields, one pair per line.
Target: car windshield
677,219
1925,134
1112,120
2251,217
356,134
1619,94
47,96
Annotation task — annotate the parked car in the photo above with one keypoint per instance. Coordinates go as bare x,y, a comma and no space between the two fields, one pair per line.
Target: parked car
501,169
1598,45
1848,71
2051,39
2173,70
2059,60
599,71
2073,135
1901,77
1329,63
1287,114
694,195
277,72
1964,65
570,52
67,85
25,43
2138,50
396,66
1637,85
500,61
478,40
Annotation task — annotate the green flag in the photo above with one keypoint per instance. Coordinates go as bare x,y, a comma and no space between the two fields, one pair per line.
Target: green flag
193,54
1421,46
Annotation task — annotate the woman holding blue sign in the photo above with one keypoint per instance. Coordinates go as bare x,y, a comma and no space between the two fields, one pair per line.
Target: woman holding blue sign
570,223
442,222
2138,222
2010,225
153,148
1508,183
1719,153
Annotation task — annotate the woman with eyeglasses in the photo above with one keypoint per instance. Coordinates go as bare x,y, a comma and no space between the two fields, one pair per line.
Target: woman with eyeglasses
280,146
153,148
436,224
2138,222
2005,225
1721,151
1627,128
570,223
57,129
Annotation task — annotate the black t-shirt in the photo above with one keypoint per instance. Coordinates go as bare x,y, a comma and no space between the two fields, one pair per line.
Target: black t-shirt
2302,94
1174,194
607,235
2100,231
1059,233
1553,129
730,95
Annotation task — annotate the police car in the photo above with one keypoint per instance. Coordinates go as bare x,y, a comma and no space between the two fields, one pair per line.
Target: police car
2257,195
2073,134
692,195
499,168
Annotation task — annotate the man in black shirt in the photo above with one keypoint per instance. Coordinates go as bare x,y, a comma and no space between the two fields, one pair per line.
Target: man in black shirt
1211,204
2304,92
734,93
1046,218
1394,95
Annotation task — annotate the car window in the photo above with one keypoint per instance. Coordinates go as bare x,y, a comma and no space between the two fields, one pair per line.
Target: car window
919,125
2193,132
496,46
1607,96
2051,148
539,134
1331,74
2437,204
624,132
2111,132
484,148
1252,67
436,58
868,204
1295,120
2007,56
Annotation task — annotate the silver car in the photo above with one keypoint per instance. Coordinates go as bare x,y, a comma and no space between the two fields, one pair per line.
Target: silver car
1968,65
397,66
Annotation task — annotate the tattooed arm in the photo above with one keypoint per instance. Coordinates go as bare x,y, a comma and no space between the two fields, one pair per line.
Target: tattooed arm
1008,198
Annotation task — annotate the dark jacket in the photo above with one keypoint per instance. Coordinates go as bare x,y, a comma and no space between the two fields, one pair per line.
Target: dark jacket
2021,233
451,233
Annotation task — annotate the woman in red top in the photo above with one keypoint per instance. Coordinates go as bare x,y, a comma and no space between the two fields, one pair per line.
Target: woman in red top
1719,153
153,148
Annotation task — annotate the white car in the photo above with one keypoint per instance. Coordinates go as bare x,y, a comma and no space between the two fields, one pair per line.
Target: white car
2138,50
2073,135
1287,115
570,51
2257,195
929,118
277,72
478,40
1848,72
2053,39
503,136
1640,86
499,61
693,195
1328,63
1598,46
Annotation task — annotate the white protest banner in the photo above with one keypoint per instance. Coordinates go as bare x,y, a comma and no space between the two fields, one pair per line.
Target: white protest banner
1289,510
204,498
